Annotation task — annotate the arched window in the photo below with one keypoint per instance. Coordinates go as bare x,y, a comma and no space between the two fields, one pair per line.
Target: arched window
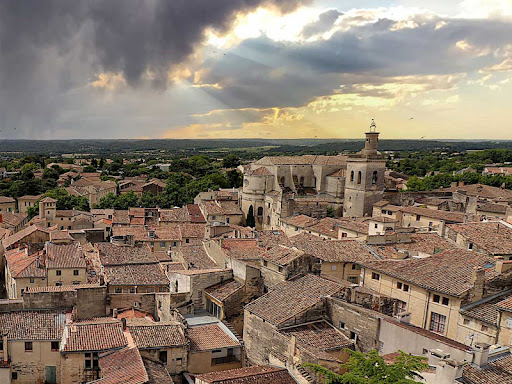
268,220
352,176
374,178
301,181
359,175
282,180
260,211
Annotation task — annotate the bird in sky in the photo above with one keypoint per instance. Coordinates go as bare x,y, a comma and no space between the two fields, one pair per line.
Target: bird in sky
411,118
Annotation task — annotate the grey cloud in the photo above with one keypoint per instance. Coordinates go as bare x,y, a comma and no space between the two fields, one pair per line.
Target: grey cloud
263,73
49,48
324,23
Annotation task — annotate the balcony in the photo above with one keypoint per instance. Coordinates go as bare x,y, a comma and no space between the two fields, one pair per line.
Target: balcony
225,360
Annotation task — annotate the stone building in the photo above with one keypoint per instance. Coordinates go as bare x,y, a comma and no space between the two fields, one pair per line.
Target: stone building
279,187
365,177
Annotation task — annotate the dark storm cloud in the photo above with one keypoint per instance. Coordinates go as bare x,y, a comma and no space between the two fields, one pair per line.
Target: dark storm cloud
49,47
324,23
262,73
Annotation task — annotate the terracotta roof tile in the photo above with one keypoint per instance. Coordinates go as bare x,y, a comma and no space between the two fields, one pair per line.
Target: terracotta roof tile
94,335
224,289
336,251
22,264
250,375
300,221
112,254
242,249
124,366
486,310
261,171
495,372
142,234
33,325
492,236
450,217
292,297
157,373
136,274
158,335
448,272
195,257
429,243
208,337
64,256
282,255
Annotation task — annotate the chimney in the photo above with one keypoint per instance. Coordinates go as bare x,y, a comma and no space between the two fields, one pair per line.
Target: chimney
435,356
293,344
114,313
461,183
6,349
448,371
441,228
481,354
123,321
478,281
453,184
401,254
502,266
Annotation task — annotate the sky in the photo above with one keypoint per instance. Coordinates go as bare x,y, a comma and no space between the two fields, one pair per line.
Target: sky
207,69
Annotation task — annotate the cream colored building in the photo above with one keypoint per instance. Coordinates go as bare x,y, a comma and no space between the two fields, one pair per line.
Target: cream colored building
26,202
7,204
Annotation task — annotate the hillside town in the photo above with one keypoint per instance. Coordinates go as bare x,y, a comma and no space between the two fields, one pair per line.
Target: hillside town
312,257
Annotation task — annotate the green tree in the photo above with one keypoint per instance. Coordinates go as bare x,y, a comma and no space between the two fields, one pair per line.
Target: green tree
148,200
249,221
330,211
370,368
107,202
235,178
231,161
89,169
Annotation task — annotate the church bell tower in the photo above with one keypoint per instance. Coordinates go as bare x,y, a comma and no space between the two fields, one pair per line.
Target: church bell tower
364,185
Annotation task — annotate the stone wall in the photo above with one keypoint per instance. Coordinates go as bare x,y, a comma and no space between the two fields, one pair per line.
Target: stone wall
350,318
91,302
49,300
146,302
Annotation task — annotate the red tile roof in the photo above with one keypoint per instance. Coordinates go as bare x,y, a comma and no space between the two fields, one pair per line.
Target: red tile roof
136,274
65,256
300,221
492,236
261,171
450,217
142,234
94,335
224,289
158,335
429,243
157,372
448,272
112,254
208,337
21,264
282,255
292,297
195,214
249,375
124,366
195,257
335,251
498,371
242,249
32,325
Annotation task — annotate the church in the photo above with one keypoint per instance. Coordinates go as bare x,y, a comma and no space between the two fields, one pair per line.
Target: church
317,186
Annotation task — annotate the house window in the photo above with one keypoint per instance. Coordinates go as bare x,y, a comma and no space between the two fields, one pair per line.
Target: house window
162,244
352,279
75,272
58,272
174,243
91,360
352,176
265,263
162,289
375,276
344,234
58,284
260,211
150,290
374,178
353,335
466,321
342,325
32,280
119,290
436,298
376,225
437,322
14,375
406,288
28,346
214,309
333,267
470,246
399,285
359,177
418,217
162,356
55,346
484,328
401,306
446,301
132,289
430,224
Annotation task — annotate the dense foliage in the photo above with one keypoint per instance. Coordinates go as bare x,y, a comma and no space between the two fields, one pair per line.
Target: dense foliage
370,368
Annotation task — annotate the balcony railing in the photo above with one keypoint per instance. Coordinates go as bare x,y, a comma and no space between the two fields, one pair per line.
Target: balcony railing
225,360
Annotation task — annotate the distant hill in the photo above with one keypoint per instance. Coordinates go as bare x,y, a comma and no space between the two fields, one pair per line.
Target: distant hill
186,146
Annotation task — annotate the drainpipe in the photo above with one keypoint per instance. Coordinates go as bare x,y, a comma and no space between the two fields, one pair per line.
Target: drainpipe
426,314
6,350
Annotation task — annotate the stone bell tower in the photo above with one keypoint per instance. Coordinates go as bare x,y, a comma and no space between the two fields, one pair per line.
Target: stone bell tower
364,185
